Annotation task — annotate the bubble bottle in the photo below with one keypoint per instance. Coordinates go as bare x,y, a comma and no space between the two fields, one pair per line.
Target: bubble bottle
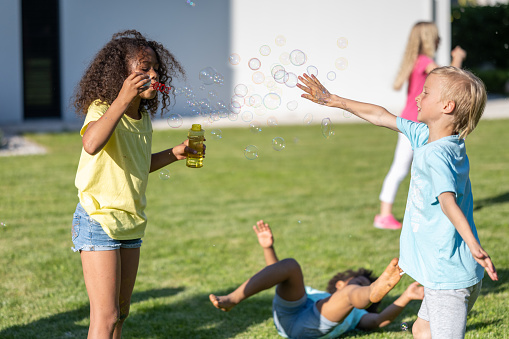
196,137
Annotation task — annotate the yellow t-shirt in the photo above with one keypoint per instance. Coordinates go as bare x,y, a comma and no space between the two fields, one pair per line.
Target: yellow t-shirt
112,183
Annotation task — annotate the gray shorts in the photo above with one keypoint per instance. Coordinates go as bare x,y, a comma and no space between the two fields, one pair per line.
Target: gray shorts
446,310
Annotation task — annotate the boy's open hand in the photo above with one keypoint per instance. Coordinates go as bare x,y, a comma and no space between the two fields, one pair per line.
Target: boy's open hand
484,260
264,234
316,92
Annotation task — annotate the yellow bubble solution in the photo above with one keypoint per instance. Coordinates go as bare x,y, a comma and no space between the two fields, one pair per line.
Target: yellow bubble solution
196,137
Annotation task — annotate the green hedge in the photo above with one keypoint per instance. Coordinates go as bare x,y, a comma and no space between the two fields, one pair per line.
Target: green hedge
483,31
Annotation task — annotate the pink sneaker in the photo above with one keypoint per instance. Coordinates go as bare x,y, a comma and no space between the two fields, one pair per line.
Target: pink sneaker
388,222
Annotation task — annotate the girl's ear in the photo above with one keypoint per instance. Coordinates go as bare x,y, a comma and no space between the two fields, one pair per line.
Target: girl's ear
340,284
449,106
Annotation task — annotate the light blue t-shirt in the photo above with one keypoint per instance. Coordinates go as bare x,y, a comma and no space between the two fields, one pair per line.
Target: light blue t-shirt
431,250
346,325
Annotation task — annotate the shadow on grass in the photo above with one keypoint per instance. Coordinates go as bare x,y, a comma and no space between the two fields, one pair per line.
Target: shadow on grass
499,199
195,317
64,325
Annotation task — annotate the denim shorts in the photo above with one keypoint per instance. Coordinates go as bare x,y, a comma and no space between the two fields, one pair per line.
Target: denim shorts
300,319
88,235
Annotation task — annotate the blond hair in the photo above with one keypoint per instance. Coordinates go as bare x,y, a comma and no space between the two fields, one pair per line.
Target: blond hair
468,93
422,40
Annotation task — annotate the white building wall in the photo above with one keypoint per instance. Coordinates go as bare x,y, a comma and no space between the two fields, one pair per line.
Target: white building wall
206,34
11,87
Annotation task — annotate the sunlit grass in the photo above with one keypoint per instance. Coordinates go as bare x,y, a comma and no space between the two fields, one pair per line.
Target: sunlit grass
320,196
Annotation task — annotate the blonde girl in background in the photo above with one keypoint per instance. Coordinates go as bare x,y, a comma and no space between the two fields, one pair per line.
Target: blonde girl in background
416,65
118,103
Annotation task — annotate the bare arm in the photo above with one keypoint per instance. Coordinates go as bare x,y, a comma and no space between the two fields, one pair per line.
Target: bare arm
453,212
266,240
166,157
99,132
373,321
374,114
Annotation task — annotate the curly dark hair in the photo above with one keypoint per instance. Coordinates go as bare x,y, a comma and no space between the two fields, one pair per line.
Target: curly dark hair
105,76
344,276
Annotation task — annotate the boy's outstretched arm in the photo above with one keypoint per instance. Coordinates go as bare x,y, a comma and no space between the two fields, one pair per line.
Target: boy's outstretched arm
455,214
372,321
266,240
374,114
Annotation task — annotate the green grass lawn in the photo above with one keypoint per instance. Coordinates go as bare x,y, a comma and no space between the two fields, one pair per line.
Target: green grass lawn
319,195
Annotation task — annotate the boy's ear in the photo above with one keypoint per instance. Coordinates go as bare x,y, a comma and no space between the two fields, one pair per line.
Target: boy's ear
449,106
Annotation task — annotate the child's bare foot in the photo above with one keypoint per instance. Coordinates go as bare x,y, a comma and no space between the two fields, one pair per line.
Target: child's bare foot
385,282
222,302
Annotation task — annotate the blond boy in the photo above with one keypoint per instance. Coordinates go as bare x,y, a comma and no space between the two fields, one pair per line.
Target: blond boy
439,246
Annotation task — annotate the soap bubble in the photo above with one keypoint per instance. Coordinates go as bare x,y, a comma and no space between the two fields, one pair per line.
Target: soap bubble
175,121
212,95
255,100
272,100
292,80
297,57
292,105
342,42
265,50
3,224
190,3
327,130
220,104
216,134
206,75
312,70
164,174
232,116
247,116
202,87
284,58
272,121
255,127
278,71
404,327
241,90
278,143
238,99
218,79
258,77
280,40
254,64
281,77
251,152
308,118
234,59
331,75
341,63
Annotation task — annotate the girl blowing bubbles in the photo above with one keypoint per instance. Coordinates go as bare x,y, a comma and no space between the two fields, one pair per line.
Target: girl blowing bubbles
116,97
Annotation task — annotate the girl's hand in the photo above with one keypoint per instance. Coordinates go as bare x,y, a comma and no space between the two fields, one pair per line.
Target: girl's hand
264,234
316,92
458,53
180,151
134,85
414,291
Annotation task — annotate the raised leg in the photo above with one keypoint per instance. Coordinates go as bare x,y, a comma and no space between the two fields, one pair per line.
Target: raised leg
340,304
286,274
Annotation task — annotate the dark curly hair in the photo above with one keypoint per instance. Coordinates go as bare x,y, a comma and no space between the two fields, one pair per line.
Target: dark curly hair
344,276
105,76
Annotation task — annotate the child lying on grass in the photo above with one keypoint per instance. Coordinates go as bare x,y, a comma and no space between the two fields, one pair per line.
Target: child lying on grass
302,312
